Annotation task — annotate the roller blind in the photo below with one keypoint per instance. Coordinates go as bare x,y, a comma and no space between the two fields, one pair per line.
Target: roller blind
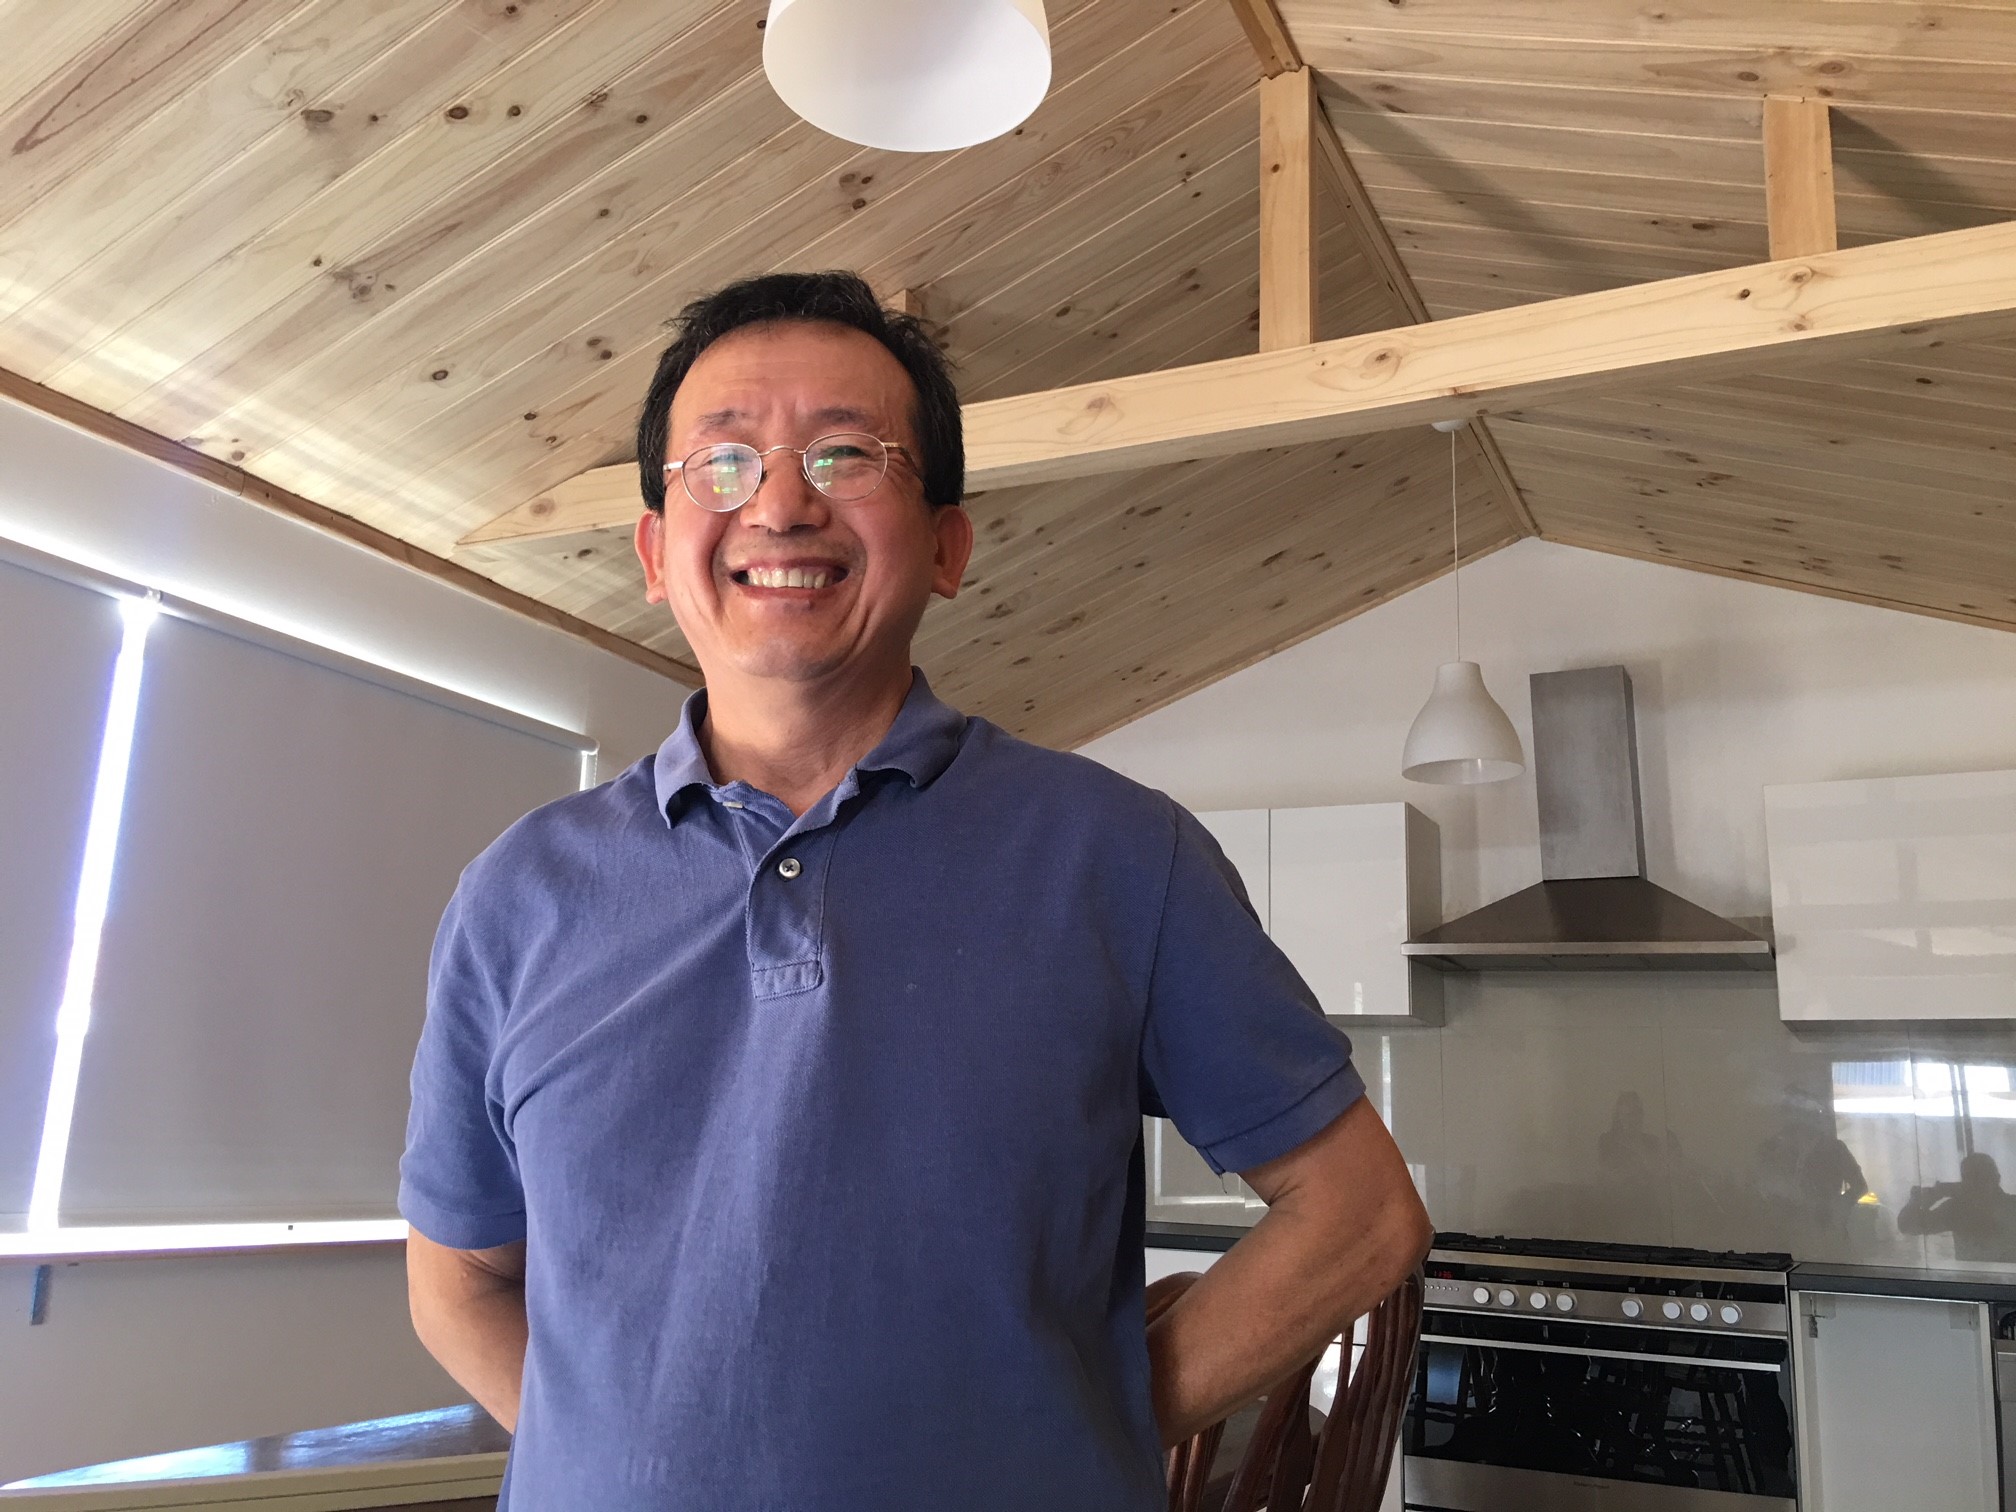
57,646
292,832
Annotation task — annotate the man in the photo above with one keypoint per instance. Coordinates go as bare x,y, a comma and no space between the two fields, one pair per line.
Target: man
776,1125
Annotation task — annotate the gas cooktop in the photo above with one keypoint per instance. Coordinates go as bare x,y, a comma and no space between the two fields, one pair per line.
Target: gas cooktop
1617,1254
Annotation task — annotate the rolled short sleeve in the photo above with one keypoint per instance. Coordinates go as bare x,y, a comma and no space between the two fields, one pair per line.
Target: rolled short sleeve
1235,1051
458,1181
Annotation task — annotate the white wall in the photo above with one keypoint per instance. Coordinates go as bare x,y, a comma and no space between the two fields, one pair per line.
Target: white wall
140,1356
1648,1107
1736,685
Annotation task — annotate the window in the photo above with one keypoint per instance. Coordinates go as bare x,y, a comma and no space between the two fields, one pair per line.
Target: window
290,825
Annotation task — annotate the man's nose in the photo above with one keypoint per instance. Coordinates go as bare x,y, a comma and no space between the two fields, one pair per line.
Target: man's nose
784,499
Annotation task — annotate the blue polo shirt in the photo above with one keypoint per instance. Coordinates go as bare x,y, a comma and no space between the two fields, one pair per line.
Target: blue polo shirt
824,1133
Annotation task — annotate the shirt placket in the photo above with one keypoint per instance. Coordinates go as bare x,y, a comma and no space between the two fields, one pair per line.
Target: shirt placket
785,912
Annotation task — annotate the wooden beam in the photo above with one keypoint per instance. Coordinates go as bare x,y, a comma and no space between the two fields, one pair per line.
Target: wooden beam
1798,177
235,480
1269,35
1855,302
1288,129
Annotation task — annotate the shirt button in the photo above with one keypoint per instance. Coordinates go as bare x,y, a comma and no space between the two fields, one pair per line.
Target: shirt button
789,868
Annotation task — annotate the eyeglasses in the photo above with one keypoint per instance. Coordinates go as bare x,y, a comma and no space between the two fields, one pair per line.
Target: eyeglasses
845,466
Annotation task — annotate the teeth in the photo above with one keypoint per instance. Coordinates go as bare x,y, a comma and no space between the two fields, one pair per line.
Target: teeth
787,577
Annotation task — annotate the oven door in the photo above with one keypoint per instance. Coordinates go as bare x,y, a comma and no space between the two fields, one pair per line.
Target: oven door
1518,1414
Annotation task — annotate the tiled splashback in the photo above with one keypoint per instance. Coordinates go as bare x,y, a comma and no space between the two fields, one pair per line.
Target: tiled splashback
1675,1108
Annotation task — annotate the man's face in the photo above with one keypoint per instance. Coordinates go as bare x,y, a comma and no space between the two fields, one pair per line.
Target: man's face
880,558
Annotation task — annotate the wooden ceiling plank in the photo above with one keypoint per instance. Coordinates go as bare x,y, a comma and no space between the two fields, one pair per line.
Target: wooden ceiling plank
228,111
1515,198
1770,577
1630,429
1679,540
1287,210
1925,527
1166,284
1008,315
1900,408
662,128
1078,728
1799,177
173,69
1154,637
1493,249
1047,536
1422,222
1192,544
1026,218
1731,118
560,90
1002,336
1853,302
1706,68
1875,28
42,38
394,360
545,369
222,476
302,171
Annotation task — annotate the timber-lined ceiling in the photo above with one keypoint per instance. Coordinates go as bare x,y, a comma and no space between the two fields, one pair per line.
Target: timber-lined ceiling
413,260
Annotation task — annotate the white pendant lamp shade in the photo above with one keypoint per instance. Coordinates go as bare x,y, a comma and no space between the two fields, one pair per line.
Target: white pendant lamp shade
1461,735
909,75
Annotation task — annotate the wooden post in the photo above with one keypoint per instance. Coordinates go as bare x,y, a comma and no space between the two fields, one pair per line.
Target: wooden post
1798,177
1287,210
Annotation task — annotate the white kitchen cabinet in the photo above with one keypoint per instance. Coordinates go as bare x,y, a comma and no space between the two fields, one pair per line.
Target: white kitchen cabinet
1340,889
1896,1405
1895,898
1242,835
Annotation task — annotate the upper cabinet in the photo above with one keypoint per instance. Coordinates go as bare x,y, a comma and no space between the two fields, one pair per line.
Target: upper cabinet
1895,898
1340,889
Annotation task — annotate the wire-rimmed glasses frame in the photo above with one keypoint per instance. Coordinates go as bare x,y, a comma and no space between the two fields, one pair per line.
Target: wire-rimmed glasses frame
730,472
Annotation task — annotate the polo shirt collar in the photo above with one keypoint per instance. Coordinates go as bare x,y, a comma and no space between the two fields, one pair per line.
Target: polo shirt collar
920,744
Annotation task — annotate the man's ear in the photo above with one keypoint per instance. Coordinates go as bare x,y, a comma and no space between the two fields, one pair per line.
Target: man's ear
954,529
651,552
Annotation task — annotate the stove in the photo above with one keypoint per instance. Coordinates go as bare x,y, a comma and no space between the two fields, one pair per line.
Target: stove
1567,1376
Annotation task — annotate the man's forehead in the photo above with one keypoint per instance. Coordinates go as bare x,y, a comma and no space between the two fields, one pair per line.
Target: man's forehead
816,370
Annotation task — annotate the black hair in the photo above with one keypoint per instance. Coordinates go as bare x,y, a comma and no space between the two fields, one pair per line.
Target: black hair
836,298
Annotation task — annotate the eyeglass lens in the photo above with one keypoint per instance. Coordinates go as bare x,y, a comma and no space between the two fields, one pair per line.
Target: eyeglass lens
726,476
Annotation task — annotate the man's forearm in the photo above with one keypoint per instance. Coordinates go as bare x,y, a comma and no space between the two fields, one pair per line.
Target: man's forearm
1307,1269
472,1321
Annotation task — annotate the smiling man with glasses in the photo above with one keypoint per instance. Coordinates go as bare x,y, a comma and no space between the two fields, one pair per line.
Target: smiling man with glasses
776,1133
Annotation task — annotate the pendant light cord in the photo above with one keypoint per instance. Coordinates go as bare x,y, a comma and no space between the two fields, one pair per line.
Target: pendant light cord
1455,548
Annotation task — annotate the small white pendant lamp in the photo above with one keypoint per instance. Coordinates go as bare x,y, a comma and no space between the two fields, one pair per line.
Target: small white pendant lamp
1460,735
909,75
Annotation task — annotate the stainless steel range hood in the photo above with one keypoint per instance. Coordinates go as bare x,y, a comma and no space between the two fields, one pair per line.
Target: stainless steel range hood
1594,910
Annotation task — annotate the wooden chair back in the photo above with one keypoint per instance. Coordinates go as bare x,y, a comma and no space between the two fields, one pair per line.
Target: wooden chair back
1288,1466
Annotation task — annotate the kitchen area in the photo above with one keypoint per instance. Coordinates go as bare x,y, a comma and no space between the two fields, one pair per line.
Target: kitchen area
1716,1160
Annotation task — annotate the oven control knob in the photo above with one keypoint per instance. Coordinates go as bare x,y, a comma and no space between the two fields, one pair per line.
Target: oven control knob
1506,1298
1633,1308
1670,1309
1698,1312
1538,1299
1481,1295
1565,1302
1731,1313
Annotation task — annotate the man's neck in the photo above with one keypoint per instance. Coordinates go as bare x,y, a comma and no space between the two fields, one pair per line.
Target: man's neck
796,741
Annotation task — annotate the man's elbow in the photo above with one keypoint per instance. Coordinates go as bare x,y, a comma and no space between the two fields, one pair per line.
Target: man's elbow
1402,1235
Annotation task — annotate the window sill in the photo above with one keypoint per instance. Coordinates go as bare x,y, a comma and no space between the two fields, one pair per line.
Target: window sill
163,1241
